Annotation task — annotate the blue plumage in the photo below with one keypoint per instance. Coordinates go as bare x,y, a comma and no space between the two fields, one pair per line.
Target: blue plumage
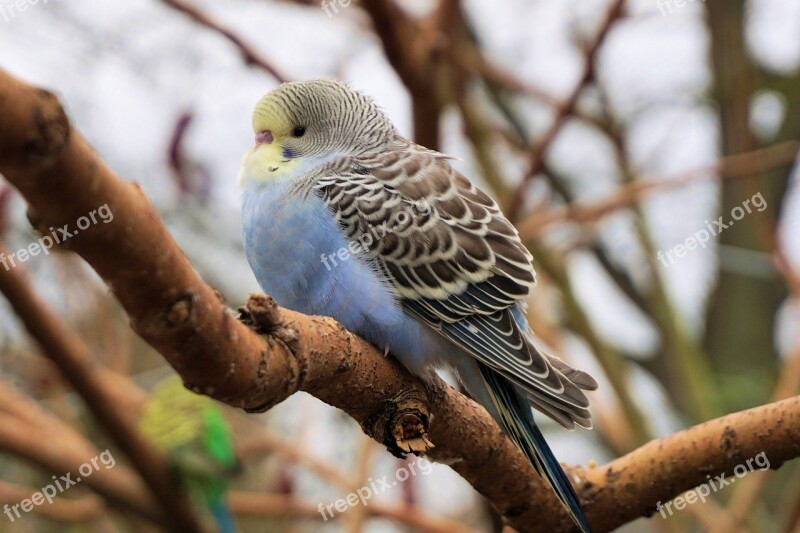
285,236
224,519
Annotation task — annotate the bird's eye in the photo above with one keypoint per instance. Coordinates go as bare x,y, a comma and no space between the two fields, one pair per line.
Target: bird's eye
299,131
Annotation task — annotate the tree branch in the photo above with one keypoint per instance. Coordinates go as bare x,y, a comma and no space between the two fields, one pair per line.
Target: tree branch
737,166
249,53
412,50
631,486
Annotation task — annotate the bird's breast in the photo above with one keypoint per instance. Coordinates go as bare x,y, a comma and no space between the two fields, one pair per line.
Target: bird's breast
300,256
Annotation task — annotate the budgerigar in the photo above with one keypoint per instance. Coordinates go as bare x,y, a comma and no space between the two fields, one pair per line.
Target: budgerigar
192,431
344,217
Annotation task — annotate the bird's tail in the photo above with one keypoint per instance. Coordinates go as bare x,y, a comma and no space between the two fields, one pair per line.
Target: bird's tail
223,518
516,417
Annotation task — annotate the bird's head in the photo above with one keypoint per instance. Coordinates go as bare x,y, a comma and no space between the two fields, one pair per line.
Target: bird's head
301,125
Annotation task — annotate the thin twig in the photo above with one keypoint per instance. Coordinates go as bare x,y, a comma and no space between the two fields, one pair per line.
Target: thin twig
84,509
538,150
249,52
732,167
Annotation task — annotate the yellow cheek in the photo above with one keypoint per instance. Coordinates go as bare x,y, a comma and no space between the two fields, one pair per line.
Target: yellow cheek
265,163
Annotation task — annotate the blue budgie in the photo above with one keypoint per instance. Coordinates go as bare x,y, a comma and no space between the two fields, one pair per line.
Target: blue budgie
344,217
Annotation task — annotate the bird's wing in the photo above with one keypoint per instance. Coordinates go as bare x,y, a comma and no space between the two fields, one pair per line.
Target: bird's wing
452,258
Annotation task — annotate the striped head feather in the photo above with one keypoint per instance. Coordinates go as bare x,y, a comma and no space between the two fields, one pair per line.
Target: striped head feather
300,126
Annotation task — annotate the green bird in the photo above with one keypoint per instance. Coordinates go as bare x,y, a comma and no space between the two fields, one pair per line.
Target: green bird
192,431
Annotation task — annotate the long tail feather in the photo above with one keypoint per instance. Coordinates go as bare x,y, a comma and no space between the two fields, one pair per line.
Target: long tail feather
517,419
224,519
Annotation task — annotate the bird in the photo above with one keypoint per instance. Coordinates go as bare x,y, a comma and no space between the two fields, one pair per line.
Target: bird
344,217
193,433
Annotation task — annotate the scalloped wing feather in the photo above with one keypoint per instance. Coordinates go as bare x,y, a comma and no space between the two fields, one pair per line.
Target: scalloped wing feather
454,262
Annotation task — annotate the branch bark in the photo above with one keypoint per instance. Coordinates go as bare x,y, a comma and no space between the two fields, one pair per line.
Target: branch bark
185,320
632,486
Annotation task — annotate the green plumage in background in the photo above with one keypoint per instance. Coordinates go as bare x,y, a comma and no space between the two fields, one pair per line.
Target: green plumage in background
192,431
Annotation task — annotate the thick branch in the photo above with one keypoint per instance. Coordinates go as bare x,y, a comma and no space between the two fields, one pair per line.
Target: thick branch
631,486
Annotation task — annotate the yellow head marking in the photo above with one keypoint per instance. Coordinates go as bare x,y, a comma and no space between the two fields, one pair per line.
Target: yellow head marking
300,126
270,159
269,115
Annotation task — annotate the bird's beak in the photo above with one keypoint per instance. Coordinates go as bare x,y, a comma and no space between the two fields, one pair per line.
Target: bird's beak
264,137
